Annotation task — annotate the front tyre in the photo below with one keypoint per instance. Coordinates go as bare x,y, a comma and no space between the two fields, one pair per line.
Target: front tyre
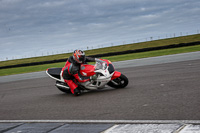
120,82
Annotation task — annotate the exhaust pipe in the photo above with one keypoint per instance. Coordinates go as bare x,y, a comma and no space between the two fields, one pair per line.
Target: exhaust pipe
60,85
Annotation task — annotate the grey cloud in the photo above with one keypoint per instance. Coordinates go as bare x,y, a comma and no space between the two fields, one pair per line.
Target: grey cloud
50,24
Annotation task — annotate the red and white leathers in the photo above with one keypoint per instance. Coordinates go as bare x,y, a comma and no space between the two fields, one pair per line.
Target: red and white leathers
71,73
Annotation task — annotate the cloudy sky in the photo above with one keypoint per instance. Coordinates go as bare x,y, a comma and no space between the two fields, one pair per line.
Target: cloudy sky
40,27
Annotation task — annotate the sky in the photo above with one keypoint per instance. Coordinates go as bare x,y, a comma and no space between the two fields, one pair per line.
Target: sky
31,28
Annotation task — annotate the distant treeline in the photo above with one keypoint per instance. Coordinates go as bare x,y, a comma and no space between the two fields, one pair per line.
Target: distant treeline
107,54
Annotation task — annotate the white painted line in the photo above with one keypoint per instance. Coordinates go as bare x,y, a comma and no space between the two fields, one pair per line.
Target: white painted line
143,128
107,121
190,129
110,129
181,128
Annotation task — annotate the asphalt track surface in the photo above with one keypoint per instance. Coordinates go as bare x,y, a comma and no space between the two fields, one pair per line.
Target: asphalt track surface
169,91
162,96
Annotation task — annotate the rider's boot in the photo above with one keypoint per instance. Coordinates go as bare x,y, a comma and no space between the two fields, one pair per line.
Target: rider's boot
77,92
74,87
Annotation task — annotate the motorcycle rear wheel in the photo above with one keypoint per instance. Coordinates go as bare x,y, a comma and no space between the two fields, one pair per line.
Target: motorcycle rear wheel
120,82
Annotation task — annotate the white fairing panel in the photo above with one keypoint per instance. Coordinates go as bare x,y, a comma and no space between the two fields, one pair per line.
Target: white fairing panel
103,77
52,76
61,77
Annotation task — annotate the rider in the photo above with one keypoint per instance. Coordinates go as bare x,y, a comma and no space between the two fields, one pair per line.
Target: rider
71,70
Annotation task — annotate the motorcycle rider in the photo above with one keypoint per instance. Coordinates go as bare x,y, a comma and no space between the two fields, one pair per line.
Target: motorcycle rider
71,70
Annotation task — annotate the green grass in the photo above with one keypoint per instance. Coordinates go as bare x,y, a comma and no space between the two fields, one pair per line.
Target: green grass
162,42
19,70
36,68
154,53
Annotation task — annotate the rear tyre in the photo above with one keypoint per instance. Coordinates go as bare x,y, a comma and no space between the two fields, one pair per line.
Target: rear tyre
120,82
63,89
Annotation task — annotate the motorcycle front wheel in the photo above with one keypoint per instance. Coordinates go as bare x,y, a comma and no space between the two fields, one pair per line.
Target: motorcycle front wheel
120,82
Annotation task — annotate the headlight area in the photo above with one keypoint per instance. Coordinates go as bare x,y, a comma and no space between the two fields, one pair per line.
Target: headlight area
93,77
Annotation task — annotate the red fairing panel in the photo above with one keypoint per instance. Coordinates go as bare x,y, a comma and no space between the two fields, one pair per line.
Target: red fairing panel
116,75
87,70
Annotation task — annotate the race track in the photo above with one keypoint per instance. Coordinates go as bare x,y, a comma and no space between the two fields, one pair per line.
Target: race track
167,91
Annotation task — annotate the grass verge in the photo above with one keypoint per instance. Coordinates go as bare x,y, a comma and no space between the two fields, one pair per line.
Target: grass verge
20,70
155,43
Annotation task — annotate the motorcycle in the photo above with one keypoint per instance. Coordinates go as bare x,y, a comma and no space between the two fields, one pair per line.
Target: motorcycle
101,74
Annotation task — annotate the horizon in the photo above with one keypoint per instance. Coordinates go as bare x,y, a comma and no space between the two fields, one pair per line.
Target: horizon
102,47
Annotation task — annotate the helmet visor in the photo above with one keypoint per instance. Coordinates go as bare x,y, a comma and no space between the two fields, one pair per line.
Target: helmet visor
82,58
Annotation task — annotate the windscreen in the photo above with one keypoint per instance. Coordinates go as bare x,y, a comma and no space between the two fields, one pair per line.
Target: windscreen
100,65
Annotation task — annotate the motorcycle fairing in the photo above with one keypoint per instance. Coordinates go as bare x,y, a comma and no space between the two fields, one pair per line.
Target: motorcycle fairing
55,73
103,76
87,70
116,75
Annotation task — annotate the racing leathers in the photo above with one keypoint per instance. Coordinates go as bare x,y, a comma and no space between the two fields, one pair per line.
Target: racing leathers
71,70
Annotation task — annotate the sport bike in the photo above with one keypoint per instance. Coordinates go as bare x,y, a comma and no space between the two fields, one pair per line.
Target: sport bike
101,74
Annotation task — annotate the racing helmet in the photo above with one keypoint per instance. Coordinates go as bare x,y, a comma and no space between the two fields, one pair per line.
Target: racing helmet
79,56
